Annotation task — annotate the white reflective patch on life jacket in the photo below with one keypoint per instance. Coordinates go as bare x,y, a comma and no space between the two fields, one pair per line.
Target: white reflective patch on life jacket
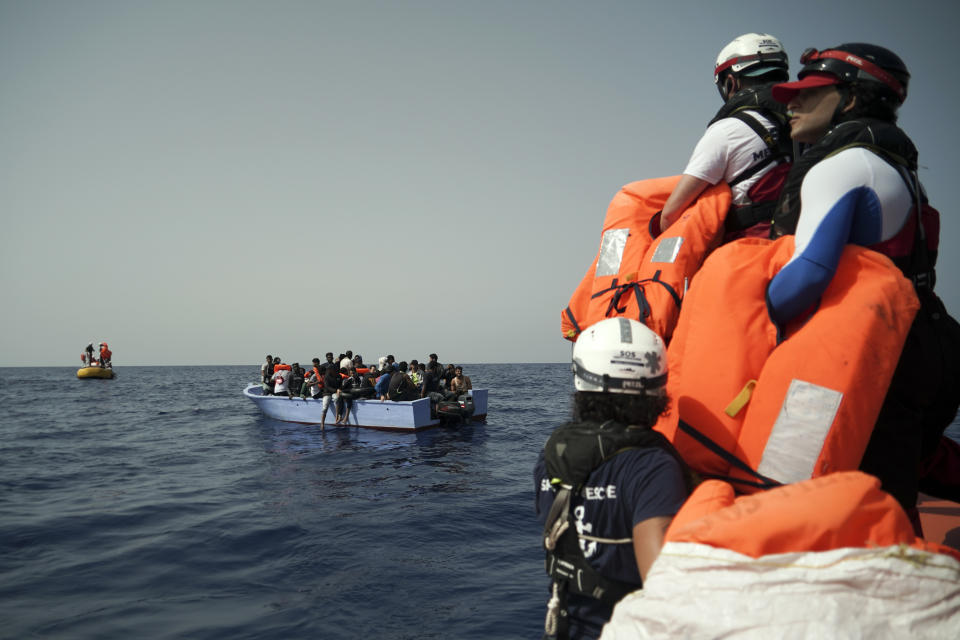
799,432
611,251
667,250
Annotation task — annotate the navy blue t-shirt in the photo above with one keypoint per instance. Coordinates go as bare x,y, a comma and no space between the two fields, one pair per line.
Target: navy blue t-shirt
631,487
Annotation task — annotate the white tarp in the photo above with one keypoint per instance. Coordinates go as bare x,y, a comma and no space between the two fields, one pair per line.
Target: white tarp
697,591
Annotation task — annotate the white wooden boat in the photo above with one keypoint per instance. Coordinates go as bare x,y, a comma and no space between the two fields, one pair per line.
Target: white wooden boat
411,416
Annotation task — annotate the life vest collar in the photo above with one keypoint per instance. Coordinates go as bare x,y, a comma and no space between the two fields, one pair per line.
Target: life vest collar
884,138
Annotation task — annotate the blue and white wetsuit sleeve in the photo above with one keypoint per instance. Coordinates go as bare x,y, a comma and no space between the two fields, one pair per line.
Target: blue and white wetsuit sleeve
840,205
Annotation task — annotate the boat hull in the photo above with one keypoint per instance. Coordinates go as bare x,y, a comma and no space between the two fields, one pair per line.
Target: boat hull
370,414
95,372
940,520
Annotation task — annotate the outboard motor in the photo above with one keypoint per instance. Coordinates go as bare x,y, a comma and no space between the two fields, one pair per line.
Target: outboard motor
455,411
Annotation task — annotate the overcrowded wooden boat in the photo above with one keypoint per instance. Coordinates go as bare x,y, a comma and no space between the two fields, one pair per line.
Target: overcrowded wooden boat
414,415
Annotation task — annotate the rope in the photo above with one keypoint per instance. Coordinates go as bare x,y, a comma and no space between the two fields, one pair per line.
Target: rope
583,536
553,612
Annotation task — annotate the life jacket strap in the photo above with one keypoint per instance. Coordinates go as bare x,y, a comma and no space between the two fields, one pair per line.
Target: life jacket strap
614,308
740,218
567,565
923,275
763,482
771,140
573,320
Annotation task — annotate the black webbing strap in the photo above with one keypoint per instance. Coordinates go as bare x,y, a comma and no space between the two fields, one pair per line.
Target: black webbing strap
758,128
740,218
754,170
924,276
573,320
673,292
713,447
578,576
637,287
768,139
565,562
607,382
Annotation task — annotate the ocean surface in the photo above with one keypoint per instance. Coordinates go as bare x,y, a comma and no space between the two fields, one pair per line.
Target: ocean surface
162,504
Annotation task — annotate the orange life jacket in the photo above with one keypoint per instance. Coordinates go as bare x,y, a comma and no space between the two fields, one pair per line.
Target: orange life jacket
794,561
832,512
281,367
641,276
798,409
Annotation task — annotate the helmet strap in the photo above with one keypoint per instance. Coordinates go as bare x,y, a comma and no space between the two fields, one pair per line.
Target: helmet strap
731,85
606,382
728,85
838,113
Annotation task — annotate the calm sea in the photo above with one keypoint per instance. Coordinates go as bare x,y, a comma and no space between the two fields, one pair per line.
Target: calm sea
161,504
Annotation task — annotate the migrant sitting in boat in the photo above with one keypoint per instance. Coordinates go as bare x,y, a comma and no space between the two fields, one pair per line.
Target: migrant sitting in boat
340,380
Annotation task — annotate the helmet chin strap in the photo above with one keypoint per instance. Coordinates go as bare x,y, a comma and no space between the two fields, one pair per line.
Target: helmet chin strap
839,112
606,382
728,87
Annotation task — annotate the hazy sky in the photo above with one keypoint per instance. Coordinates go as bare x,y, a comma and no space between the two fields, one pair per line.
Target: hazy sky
204,182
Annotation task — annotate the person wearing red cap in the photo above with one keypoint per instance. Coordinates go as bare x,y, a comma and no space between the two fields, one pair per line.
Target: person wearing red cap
747,143
857,184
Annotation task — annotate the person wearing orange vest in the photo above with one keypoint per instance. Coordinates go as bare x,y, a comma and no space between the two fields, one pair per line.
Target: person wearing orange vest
281,378
105,355
312,384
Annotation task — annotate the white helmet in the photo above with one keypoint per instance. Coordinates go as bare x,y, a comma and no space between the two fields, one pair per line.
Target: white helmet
752,54
620,355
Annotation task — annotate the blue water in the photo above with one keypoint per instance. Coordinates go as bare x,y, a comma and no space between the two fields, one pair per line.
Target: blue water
161,504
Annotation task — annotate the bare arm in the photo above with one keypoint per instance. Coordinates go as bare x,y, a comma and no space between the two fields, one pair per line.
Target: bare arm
683,195
647,541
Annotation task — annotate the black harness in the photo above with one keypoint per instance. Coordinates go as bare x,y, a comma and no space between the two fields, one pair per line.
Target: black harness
638,288
890,143
573,451
779,146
